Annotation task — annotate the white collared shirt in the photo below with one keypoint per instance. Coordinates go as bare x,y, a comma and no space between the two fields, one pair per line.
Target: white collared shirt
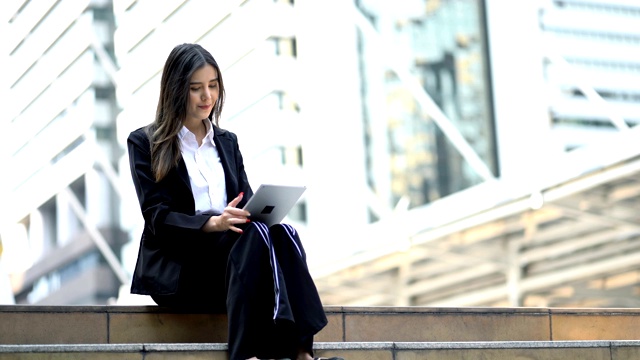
206,174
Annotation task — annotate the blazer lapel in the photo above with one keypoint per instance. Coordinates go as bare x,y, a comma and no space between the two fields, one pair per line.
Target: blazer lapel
183,174
225,145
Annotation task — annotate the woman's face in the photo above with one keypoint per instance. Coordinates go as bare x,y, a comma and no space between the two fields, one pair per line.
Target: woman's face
203,93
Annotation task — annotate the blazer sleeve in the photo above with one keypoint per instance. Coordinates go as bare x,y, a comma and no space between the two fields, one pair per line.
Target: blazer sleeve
155,198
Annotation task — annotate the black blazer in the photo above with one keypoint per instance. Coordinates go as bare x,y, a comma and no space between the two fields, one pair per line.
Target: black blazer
172,230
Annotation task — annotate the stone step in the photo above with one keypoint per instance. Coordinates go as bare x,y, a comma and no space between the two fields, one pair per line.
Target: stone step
30,324
497,350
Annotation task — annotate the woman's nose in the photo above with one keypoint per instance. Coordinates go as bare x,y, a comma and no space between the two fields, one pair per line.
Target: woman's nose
206,94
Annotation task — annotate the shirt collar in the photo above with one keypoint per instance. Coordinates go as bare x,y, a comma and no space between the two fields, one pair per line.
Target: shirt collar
207,124
183,132
208,137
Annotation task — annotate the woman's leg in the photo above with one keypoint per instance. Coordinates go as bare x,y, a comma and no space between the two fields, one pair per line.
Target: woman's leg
303,297
273,305
260,323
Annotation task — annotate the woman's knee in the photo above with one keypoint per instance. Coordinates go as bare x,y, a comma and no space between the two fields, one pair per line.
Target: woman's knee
256,232
285,238
253,242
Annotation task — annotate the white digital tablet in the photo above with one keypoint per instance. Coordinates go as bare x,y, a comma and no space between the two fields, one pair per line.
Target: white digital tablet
271,203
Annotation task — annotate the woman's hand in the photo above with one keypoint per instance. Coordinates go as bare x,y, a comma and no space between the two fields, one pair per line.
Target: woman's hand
230,217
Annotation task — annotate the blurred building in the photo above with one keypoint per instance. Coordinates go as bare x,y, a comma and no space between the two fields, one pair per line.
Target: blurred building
591,67
545,94
58,208
440,46
428,133
6,293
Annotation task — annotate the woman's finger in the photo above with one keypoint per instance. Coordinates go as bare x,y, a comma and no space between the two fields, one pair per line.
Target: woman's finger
241,220
233,228
228,220
236,212
237,200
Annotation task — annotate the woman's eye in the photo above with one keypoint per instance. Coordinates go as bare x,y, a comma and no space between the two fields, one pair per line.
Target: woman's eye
212,86
195,89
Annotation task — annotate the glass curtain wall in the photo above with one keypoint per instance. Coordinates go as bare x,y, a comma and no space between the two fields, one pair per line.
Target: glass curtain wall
442,44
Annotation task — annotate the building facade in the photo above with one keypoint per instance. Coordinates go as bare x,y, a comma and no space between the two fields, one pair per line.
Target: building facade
382,109
555,227
59,210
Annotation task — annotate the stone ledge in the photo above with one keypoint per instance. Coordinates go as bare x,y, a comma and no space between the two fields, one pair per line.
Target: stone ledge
34,324
323,346
505,345
595,311
474,345
186,347
332,309
383,345
71,348
406,310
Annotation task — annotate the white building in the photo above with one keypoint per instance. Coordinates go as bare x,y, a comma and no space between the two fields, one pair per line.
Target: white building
58,209
385,110
556,227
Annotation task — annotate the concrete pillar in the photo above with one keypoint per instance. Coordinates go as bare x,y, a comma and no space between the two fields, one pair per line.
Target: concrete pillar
520,108
331,108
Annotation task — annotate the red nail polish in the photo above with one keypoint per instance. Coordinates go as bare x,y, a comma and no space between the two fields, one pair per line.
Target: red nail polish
248,220
242,193
241,231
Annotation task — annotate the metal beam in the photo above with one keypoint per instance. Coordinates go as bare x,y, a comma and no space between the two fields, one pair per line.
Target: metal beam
105,60
110,173
597,218
99,240
423,98
582,84
454,278
546,281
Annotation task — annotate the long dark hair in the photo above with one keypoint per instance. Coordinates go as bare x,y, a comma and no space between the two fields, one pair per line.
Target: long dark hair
182,62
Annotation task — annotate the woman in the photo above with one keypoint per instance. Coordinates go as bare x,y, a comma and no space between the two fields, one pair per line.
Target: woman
198,249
